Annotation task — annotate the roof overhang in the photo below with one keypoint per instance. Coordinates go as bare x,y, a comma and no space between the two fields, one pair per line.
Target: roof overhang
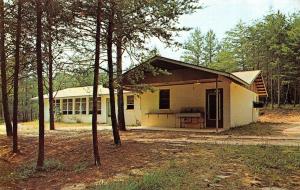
173,65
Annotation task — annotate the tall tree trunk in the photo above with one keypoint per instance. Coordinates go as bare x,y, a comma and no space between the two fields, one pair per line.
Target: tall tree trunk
295,95
25,103
121,115
95,87
16,78
210,55
40,161
278,84
109,43
50,60
268,83
6,114
287,93
272,98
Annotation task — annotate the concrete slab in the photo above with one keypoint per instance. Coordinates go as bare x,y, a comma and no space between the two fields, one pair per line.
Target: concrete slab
175,129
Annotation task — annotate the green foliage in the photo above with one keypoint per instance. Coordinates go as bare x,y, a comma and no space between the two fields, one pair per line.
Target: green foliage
194,48
201,49
202,168
211,48
236,43
29,169
265,159
225,61
167,178
270,44
81,166
254,129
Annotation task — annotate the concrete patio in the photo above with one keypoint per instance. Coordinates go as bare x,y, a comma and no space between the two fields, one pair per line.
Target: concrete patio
176,129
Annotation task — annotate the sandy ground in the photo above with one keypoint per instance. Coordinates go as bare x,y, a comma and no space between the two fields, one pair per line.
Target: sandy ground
141,148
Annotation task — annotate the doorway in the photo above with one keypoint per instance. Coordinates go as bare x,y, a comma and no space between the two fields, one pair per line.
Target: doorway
211,108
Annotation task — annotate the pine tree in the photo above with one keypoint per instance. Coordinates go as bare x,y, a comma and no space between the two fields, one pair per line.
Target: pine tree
194,49
16,77
3,73
41,154
210,48
95,86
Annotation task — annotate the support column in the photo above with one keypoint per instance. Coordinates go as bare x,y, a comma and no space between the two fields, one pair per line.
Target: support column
87,101
217,104
73,103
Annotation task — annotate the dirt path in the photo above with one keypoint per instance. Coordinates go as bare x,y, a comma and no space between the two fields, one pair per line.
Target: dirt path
292,131
226,140
141,150
290,135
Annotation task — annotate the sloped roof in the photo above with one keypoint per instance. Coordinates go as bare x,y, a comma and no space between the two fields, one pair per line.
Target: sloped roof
188,65
253,77
247,76
244,78
78,92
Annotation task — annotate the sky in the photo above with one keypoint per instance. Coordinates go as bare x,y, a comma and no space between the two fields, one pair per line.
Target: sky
222,15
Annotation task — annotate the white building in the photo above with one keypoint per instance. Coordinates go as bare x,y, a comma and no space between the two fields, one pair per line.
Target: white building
75,105
184,98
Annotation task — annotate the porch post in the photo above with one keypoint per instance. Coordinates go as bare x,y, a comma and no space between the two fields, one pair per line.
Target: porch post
217,104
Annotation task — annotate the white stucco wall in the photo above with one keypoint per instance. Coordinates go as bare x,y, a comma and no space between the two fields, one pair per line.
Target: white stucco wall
237,106
188,95
132,117
242,111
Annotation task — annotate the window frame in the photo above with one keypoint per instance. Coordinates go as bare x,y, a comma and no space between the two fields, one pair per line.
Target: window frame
83,102
70,102
99,103
130,106
65,106
164,105
77,105
57,104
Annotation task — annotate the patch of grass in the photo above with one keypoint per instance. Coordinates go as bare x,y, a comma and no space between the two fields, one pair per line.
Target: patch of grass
265,159
5,172
168,178
202,169
255,129
28,170
53,165
81,166
282,107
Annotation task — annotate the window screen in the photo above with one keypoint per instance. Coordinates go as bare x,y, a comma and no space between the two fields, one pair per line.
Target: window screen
130,102
164,99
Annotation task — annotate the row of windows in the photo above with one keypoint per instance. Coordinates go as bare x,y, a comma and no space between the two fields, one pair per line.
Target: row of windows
80,105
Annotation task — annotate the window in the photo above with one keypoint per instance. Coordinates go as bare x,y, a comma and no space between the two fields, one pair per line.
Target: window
67,107
98,105
77,105
108,107
90,105
83,105
56,106
130,102
70,106
80,106
164,99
